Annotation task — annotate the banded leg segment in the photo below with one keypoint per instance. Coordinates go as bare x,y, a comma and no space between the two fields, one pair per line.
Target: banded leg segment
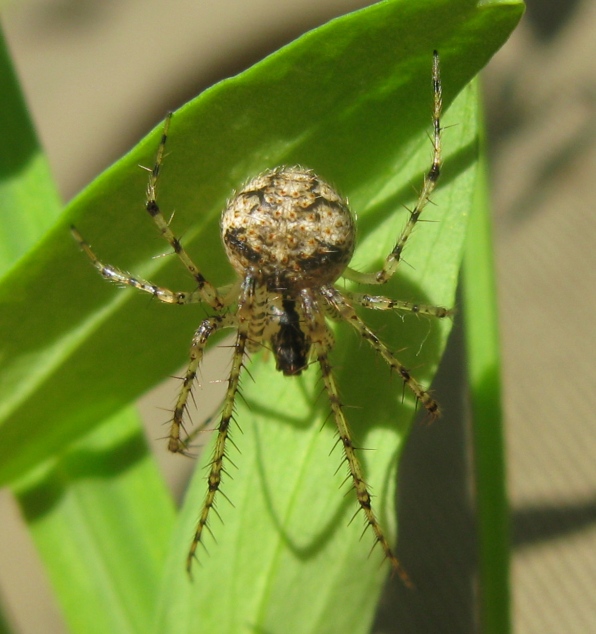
219,453
379,302
197,350
360,486
347,313
205,289
242,321
114,274
428,186
317,329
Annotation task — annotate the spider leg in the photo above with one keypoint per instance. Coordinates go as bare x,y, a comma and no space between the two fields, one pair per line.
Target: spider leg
245,306
219,453
379,302
206,290
317,328
114,274
197,350
428,186
346,312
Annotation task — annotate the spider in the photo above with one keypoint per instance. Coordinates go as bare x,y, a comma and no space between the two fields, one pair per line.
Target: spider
290,237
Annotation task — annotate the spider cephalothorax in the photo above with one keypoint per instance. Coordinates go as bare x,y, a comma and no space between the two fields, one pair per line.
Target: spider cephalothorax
289,236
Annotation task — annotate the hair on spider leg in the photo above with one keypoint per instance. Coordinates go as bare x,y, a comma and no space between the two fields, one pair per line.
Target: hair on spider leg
201,428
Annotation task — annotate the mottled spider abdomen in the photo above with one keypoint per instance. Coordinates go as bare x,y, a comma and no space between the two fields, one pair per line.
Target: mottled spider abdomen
289,227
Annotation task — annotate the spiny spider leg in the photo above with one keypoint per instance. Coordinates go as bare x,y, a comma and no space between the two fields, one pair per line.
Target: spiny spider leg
245,308
360,486
428,186
197,350
206,290
317,334
115,274
347,313
379,302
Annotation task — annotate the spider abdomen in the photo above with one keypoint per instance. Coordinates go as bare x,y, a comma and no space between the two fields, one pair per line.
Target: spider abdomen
289,227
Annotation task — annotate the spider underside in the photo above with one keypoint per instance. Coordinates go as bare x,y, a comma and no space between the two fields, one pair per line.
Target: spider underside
290,236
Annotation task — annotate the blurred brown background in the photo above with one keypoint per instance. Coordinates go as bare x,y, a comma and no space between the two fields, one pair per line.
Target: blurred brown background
98,74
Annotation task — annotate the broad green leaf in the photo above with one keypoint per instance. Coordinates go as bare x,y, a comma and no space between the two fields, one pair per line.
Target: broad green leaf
285,557
286,551
351,100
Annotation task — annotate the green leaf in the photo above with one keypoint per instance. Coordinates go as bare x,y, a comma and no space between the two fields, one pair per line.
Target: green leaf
357,88
351,100
98,512
484,371
29,201
101,518
290,521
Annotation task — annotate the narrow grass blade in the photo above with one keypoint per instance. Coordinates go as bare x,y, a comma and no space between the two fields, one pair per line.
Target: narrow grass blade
484,370
99,512
29,202
101,518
